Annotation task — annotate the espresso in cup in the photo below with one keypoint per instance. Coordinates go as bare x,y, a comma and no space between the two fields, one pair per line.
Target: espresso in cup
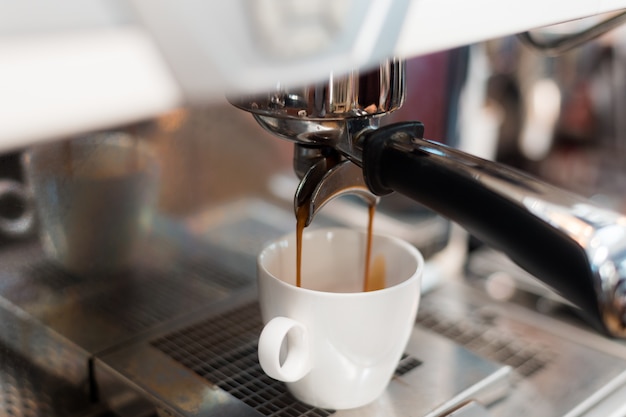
374,269
335,345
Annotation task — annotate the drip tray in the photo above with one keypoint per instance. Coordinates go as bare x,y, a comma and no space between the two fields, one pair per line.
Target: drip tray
27,390
210,368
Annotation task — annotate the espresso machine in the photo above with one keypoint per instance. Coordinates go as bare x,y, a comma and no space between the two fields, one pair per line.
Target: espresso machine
489,134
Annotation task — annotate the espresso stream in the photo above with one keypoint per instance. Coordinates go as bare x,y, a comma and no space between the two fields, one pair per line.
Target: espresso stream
374,276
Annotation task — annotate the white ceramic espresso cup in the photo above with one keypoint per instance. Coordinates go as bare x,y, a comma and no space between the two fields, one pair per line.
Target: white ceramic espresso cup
335,346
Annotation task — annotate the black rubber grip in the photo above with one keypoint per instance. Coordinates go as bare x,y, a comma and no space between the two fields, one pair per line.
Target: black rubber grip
456,185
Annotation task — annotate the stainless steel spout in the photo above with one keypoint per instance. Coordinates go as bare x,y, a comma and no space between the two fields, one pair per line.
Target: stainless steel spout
322,184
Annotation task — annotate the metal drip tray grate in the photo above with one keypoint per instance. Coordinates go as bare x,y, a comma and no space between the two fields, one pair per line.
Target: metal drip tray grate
44,274
223,350
138,305
486,341
28,391
204,269
95,314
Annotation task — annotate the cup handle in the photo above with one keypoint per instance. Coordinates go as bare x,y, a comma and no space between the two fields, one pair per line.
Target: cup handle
297,362
19,226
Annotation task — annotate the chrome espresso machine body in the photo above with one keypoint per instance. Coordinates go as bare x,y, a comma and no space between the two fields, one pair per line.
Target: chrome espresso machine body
523,315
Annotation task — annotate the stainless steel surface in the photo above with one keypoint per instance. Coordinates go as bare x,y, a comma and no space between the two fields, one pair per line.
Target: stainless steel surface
59,321
319,114
470,409
563,370
546,366
97,314
27,390
206,363
561,44
332,114
187,352
211,366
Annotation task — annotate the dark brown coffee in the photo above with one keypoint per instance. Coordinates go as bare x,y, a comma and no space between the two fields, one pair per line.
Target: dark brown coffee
374,269
301,216
374,276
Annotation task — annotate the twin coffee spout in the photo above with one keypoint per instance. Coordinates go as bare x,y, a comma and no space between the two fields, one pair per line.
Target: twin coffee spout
327,179
569,243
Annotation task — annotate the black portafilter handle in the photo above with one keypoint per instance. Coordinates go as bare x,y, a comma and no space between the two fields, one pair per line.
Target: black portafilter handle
569,243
